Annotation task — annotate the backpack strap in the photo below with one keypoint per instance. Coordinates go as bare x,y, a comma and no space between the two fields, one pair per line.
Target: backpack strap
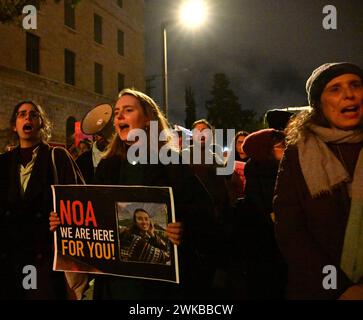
78,177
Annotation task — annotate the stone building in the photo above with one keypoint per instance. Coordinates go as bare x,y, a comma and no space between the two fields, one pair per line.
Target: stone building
76,57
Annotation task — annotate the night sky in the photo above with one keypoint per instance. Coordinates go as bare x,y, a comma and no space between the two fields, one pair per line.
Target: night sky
267,49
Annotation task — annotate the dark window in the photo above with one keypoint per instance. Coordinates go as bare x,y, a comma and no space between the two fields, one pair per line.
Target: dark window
98,78
69,67
32,52
120,42
98,28
120,81
120,3
69,14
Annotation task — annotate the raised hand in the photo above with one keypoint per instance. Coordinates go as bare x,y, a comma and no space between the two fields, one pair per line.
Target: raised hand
54,221
174,232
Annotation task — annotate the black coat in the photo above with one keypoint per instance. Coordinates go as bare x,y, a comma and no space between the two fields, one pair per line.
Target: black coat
264,267
260,185
192,207
25,238
85,164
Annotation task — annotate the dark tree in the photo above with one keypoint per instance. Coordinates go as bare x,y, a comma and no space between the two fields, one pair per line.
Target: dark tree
249,122
190,109
11,9
224,110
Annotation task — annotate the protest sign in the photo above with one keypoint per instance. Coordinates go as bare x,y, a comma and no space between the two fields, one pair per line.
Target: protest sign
118,230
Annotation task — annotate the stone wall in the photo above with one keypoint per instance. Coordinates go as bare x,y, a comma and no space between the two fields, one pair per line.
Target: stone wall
59,99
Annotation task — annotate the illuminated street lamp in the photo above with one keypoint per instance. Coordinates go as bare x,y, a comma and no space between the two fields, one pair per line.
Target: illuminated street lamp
192,13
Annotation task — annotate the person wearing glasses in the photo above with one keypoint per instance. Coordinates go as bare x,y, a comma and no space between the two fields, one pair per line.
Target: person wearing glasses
27,172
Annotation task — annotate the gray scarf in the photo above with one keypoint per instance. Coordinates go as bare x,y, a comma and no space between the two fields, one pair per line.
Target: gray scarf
323,172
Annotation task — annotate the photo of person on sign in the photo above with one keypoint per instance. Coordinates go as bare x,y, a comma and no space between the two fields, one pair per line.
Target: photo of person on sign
143,240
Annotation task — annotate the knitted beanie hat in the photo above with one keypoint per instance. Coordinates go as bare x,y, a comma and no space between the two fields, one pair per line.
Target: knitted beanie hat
258,145
323,74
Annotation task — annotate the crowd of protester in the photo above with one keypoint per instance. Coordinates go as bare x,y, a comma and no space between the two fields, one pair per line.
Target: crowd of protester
292,206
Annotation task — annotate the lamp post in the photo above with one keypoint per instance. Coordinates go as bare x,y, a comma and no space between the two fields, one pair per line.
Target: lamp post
165,67
192,14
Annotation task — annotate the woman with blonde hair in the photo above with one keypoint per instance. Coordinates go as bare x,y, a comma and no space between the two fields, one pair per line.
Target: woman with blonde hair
193,231
147,111
135,110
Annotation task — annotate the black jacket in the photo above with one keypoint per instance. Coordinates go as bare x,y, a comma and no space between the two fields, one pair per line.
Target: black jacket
85,164
265,268
25,238
192,207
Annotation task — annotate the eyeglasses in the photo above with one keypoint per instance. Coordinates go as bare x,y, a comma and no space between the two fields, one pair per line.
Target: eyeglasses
32,114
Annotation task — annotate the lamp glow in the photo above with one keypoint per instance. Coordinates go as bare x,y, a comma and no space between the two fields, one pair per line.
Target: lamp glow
193,13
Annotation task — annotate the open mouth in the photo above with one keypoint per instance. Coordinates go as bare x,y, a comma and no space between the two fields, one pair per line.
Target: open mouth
350,109
124,126
27,128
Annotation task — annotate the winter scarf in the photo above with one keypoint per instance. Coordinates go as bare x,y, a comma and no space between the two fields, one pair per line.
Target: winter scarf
323,172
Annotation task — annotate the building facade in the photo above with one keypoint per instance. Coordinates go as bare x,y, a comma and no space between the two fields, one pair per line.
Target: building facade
77,57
